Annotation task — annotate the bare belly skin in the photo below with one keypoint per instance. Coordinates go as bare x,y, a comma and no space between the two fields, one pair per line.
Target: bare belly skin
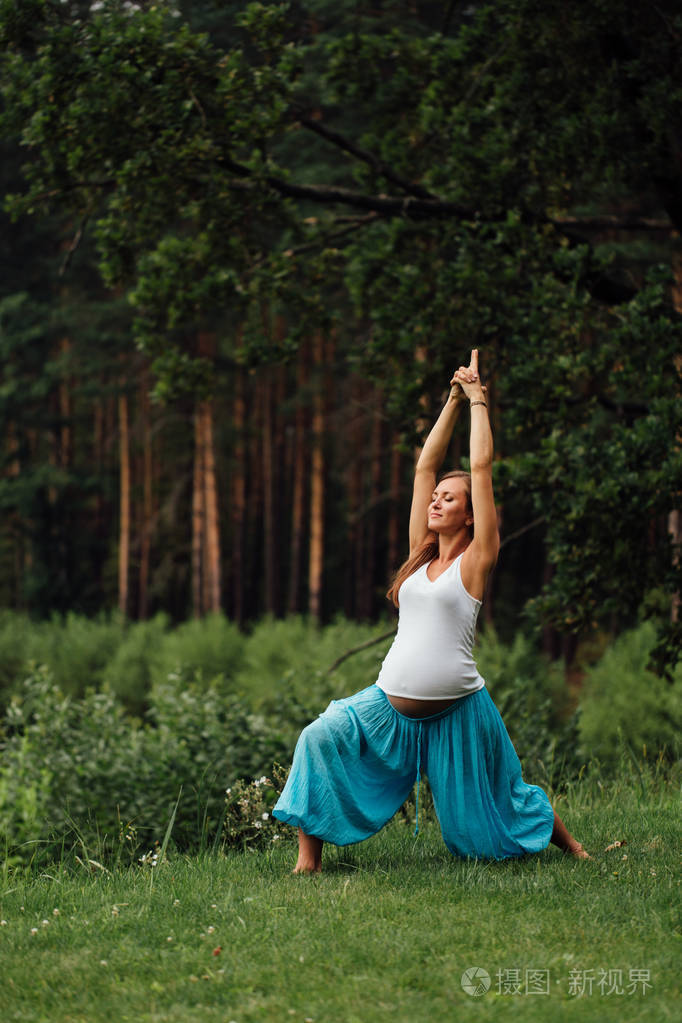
418,708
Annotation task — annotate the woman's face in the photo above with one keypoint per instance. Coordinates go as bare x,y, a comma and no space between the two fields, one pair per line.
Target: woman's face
449,509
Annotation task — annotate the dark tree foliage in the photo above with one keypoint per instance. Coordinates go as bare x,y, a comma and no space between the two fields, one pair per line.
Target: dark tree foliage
414,180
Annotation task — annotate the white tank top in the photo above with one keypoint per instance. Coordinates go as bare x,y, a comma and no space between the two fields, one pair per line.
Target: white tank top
431,656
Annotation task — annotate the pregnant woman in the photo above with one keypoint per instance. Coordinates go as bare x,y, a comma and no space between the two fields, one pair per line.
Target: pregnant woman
429,710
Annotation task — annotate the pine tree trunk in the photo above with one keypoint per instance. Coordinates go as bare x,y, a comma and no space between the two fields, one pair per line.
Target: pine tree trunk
356,430
370,514
65,410
16,531
212,518
675,531
238,485
675,516
395,523
147,501
316,560
124,536
281,495
268,496
298,488
198,491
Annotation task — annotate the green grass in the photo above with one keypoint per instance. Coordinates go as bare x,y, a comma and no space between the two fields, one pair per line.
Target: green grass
384,934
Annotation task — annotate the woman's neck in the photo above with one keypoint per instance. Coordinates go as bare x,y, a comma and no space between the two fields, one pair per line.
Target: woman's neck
450,547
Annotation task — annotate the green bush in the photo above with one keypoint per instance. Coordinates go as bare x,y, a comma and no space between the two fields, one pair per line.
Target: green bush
16,637
77,649
623,705
130,672
210,648
84,768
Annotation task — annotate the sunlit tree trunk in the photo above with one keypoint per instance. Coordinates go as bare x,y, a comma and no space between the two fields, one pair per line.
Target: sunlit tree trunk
268,462
124,502
675,516
65,408
370,514
281,498
316,559
253,540
299,462
397,529
212,565
357,434
13,471
147,500
198,519
206,577
238,502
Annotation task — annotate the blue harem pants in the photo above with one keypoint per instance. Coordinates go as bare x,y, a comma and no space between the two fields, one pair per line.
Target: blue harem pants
356,764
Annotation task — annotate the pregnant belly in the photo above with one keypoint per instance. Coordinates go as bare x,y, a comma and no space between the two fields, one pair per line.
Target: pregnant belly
418,708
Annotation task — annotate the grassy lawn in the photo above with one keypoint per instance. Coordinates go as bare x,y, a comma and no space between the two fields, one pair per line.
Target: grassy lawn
386,933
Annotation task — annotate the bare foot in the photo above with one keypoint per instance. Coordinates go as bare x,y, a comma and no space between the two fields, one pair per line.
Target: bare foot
306,867
562,837
309,854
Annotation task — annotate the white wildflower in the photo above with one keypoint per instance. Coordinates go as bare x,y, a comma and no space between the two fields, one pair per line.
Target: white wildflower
265,816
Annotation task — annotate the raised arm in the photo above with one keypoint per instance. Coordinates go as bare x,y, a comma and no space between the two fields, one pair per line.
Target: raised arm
481,554
429,462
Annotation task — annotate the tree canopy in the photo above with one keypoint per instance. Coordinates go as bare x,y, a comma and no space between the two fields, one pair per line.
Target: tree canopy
412,180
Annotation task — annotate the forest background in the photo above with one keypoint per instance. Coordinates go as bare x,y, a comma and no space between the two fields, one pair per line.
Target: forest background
243,248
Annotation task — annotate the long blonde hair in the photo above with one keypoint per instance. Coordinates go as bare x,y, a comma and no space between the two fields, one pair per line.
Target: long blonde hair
429,549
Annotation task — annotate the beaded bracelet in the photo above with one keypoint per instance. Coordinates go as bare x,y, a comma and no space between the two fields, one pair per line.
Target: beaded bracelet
472,403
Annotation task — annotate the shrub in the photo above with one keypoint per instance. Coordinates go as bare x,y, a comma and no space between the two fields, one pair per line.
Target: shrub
249,823
129,673
623,704
83,767
210,648
76,649
16,634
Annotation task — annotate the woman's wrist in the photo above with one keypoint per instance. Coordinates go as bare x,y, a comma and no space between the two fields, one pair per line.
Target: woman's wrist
477,395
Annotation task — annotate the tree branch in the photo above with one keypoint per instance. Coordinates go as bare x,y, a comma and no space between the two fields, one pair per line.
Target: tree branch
73,245
363,154
609,223
362,646
520,532
387,205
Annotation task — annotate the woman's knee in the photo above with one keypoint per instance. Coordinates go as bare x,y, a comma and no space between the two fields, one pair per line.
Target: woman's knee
326,733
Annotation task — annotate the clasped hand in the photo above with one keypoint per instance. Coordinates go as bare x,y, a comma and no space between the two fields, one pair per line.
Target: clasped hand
467,380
